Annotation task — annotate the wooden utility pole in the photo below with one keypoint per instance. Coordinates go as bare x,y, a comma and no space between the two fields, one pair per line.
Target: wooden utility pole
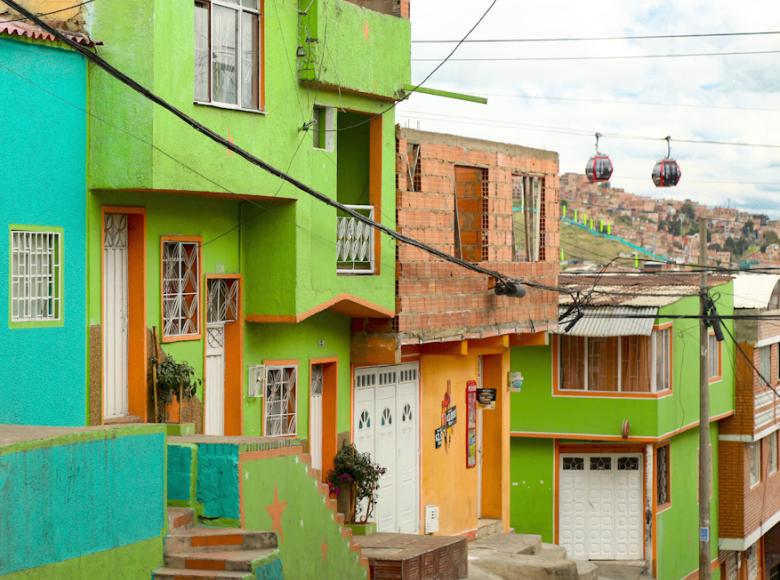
705,451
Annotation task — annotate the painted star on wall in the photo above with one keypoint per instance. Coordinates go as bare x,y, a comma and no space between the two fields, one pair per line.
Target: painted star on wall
275,509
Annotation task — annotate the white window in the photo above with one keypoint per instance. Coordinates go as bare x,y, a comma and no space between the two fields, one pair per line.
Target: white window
713,356
528,218
227,53
765,363
663,364
36,276
181,289
281,401
754,456
772,453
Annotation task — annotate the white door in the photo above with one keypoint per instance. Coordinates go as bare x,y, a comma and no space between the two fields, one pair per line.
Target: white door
601,506
386,426
115,316
315,417
215,379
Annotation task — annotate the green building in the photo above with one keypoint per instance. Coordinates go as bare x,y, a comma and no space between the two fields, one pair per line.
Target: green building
604,451
235,272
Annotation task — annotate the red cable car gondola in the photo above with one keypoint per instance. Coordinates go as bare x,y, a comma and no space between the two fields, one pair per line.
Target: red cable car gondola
667,172
599,167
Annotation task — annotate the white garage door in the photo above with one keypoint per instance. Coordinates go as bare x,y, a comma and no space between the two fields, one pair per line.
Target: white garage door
600,511
385,424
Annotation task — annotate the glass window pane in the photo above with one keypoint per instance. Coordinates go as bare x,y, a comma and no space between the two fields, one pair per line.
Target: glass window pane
250,69
202,53
572,364
252,4
225,56
602,364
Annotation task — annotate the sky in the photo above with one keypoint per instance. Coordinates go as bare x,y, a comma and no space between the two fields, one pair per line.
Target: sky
540,104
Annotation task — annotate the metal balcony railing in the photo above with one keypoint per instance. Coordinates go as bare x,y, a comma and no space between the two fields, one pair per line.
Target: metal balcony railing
355,242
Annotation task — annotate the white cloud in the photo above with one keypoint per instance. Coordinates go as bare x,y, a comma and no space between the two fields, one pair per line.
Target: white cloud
736,81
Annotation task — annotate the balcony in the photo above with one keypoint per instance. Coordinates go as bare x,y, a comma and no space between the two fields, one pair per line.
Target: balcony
345,46
355,242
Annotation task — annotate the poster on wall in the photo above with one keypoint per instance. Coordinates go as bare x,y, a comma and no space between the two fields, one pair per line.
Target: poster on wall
486,398
471,424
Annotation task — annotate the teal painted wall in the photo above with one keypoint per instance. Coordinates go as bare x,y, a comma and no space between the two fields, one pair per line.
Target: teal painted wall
678,529
310,542
182,474
44,165
300,342
535,409
80,494
532,472
217,485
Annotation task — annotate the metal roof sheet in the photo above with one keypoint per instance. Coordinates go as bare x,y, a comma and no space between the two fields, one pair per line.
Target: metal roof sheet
37,33
754,290
612,321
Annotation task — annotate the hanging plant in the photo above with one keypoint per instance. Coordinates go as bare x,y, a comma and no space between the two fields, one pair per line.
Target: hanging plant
357,476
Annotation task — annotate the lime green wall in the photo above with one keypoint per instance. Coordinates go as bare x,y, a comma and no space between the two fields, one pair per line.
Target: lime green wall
678,545
310,542
532,473
353,144
300,342
126,562
535,409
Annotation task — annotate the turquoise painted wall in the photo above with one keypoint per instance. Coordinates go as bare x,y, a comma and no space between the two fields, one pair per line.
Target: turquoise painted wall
43,154
532,472
217,485
83,494
535,409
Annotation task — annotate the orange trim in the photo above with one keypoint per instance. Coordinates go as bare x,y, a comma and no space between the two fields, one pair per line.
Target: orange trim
556,491
136,295
452,348
208,194
329,436
663,507
353,306
375,151
536,339
167,339
586,447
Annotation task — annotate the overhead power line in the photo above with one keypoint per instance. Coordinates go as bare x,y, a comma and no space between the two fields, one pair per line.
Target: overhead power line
210,134
600,57
600,38
47,13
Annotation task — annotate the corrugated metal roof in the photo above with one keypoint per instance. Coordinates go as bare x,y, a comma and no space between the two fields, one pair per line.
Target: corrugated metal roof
611,321
36,33
754,290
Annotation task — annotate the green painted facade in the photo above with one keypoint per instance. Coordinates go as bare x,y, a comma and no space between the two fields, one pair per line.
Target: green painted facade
336,55
540,419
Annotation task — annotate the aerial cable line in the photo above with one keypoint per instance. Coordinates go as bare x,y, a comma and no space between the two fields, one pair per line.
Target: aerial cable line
508,284
599,57
600,38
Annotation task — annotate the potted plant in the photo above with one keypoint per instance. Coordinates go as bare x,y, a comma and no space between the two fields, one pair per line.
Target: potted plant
172,380
354,480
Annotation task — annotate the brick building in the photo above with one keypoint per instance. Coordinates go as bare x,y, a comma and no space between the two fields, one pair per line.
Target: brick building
492,204
748,442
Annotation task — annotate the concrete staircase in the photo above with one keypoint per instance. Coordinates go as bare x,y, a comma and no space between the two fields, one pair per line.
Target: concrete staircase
197,553
510,556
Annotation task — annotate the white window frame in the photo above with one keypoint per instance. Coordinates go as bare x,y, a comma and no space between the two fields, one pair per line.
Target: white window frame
179,294
36,290
237,6
329,116
772,444
754,457
653,386
269,398
765,360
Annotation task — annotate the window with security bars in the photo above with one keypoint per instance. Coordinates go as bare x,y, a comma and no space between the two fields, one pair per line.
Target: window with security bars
528,218
36,276
662,476
181,289
281,401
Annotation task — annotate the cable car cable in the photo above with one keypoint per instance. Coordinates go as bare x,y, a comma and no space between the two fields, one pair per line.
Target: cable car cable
601,38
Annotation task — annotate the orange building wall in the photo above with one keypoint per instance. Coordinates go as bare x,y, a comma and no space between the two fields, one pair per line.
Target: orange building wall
446,481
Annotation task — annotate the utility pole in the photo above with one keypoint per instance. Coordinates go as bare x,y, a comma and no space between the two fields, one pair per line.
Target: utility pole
705,451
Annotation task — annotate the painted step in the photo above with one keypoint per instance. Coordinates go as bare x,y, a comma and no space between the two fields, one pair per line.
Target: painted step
587,570
224,560
179,518
219,539
181,574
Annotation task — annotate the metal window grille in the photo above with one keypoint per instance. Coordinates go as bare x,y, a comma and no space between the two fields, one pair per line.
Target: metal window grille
281,401
36,276
662,474
181,288
355,242
223,300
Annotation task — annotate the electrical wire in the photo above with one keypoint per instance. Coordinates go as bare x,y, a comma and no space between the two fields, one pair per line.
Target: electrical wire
601,38
47,13
212,135
599,57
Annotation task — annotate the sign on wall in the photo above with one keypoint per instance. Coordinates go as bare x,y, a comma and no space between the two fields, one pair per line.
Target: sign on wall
449,416
486,398
471,424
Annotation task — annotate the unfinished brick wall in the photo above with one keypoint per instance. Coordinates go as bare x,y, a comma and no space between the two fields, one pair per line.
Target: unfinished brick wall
437,300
